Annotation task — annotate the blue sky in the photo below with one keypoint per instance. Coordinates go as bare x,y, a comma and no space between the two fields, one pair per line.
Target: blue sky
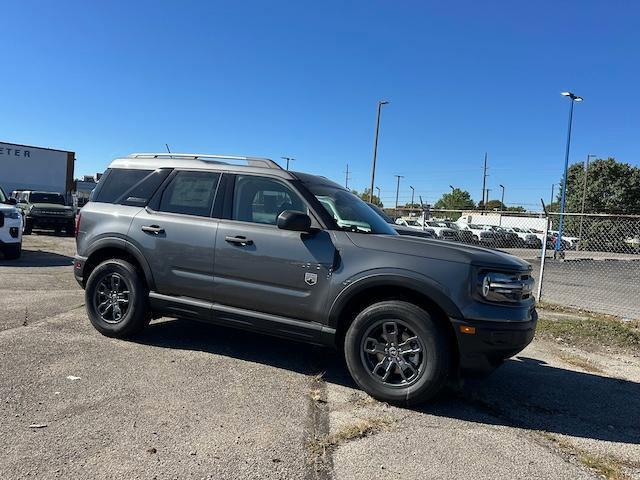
302,79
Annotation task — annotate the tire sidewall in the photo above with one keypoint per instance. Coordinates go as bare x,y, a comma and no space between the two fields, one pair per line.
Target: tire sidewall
435,370
133,319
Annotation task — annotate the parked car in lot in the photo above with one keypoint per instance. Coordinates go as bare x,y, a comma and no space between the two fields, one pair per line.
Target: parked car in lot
529,239
463,235
45,210
483,235
256,247
400,229
10,227
571,242
408,222
442,231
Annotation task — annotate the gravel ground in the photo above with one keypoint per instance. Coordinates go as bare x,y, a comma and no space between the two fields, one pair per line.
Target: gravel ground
189,400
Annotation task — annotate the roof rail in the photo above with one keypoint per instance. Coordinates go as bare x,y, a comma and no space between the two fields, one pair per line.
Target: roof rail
251,161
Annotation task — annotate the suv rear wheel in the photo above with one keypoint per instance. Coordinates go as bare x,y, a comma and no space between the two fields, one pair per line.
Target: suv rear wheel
397,353
116,299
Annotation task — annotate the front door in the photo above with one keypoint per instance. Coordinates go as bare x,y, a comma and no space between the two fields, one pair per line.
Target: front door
262,268
178,238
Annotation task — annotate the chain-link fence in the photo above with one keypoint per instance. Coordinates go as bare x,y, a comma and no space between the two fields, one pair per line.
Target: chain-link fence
594,266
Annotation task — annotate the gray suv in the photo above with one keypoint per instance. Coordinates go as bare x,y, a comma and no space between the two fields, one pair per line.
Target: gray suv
240,242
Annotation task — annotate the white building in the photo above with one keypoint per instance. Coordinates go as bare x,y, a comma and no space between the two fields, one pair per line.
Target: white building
25,167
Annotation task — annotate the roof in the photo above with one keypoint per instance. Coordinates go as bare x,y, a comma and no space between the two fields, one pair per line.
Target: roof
39,148
231,163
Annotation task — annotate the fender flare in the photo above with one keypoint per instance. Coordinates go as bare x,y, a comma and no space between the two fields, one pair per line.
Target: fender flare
415,282
125,246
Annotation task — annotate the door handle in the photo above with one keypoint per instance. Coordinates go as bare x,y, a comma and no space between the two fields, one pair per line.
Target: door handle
153,229
239,240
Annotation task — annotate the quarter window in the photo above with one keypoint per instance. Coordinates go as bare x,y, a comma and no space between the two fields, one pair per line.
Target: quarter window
262,199
190,193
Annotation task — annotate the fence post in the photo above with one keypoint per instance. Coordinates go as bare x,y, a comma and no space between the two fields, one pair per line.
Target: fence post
543,256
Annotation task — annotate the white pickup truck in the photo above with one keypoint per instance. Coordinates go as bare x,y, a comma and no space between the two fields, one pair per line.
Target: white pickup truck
10,228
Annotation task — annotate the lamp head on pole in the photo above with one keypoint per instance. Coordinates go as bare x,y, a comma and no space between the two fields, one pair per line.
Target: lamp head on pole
572,96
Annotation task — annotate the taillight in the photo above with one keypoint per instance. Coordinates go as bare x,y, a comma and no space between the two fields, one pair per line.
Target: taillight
78,217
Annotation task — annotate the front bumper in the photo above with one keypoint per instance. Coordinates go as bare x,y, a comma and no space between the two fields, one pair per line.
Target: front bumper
42,221
492,342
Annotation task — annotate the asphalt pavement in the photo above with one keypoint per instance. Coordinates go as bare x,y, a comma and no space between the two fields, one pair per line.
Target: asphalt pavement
192,400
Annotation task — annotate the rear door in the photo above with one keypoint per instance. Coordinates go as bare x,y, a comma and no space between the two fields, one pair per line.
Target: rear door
262,268
176,234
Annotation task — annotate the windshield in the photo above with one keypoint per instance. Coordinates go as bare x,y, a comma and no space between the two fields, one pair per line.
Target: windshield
380,212
453,226
41,197
3,197
413,223
350,213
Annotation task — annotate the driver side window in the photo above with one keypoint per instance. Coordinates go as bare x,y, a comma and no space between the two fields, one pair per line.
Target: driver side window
262,199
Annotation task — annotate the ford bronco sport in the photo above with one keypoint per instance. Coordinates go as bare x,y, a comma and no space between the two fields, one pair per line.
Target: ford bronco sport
45,210
241,242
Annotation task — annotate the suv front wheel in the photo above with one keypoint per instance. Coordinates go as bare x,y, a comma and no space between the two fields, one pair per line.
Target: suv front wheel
397,353
116,299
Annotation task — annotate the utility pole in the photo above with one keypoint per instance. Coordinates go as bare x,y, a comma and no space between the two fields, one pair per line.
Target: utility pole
502,207
346,177
375,149
288,159
398,177
413,192
484,182
584,198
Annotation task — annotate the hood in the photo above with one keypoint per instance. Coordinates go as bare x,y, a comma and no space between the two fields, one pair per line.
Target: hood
51,206
439,249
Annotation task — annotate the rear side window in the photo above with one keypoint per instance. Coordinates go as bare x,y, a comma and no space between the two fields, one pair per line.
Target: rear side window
130,187
190,193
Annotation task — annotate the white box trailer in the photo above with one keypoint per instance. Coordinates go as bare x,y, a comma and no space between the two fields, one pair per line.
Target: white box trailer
535,221
25,167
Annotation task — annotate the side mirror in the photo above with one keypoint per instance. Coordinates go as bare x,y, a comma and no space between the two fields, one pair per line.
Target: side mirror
295,221
12,201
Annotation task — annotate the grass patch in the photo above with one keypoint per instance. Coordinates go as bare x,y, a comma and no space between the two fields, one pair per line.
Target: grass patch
361,428
605,465
589,331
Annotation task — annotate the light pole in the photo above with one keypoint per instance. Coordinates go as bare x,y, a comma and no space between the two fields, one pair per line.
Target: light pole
378,188
553,187
501,205
288,159
398,177
413,192
574,98
584,197
453,205
375,149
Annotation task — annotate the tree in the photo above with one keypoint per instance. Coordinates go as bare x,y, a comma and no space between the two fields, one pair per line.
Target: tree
457,199
365,196
612,187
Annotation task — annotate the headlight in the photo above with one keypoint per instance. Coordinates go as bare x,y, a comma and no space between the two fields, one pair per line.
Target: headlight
15,215
505,287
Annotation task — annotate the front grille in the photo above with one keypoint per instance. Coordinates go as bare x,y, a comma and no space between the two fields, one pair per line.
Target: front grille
56,213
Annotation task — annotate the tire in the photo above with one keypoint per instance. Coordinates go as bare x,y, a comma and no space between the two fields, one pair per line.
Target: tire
431,365
28,226
135,316
13,251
